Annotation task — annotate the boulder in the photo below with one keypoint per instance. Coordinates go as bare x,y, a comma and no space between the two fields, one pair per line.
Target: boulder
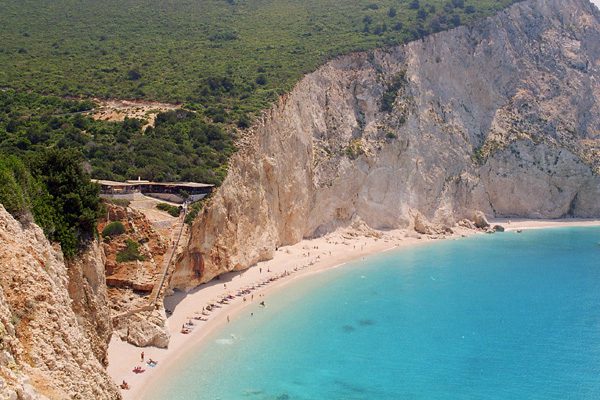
480,220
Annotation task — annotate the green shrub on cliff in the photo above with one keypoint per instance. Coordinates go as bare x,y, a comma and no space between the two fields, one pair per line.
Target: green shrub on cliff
115,228
52,187
15,186
194,209
172,210
130,253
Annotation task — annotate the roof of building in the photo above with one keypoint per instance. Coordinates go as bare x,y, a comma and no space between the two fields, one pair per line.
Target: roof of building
181,184
137,181
104,182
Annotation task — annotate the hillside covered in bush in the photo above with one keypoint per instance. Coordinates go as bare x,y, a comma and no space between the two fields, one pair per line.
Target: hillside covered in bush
224,58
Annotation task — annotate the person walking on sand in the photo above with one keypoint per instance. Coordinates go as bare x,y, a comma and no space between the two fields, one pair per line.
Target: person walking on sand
142,356
228,319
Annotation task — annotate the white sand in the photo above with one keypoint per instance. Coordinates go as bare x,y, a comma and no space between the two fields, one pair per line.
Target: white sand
308,256
515,224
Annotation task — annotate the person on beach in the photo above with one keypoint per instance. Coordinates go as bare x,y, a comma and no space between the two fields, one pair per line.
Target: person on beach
262,303
142,356
228,319
124,385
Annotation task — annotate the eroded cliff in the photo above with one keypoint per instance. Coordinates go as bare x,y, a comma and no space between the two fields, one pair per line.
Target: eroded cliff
54,325
502,116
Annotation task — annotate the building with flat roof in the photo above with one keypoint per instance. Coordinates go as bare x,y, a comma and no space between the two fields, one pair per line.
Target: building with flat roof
176,192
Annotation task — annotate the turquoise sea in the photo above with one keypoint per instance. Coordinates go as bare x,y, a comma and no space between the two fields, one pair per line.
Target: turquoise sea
503,316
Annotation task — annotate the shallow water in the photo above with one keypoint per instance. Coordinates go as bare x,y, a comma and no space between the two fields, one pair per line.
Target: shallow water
504,316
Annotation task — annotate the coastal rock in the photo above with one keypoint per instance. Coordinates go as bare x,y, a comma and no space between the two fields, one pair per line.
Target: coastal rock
145,329
422,226
48,350
498,228
480,221
465,223
501,117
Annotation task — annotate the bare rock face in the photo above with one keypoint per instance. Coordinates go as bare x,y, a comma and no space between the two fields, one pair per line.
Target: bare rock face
46,349
423,226
87,290
501,117
144,329
479,220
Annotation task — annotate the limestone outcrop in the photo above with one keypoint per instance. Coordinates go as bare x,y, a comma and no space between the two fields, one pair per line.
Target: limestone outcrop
89,299
53,321
501,117
146,328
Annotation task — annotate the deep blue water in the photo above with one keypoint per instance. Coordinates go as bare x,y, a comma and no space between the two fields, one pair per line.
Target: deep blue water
504,316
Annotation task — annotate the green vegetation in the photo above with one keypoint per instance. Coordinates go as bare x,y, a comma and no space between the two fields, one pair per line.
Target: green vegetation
389,97
114,228
52,186
181,146
226,58
354,149
194,209
130,253
118,202
174,211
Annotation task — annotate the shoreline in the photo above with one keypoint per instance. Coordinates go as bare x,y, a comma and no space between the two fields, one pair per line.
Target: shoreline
328,252
513,224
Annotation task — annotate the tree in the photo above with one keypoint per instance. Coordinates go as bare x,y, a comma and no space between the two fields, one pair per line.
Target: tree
261,80
133,75
455,20
73,198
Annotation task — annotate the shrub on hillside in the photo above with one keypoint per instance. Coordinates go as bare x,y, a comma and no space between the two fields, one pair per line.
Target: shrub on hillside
130,253
172,210
118,202
53,187
115,228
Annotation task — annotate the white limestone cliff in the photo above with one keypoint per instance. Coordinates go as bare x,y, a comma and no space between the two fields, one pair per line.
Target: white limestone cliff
52,345
501,117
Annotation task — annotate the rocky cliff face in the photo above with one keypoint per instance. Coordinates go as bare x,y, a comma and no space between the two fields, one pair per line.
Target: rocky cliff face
54,324
89,299
502,117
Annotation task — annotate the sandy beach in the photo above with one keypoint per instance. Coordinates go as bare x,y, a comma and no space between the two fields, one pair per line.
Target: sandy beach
290,263
514,224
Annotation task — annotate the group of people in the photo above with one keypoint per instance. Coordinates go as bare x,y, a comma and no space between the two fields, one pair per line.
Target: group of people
188,326
138,369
